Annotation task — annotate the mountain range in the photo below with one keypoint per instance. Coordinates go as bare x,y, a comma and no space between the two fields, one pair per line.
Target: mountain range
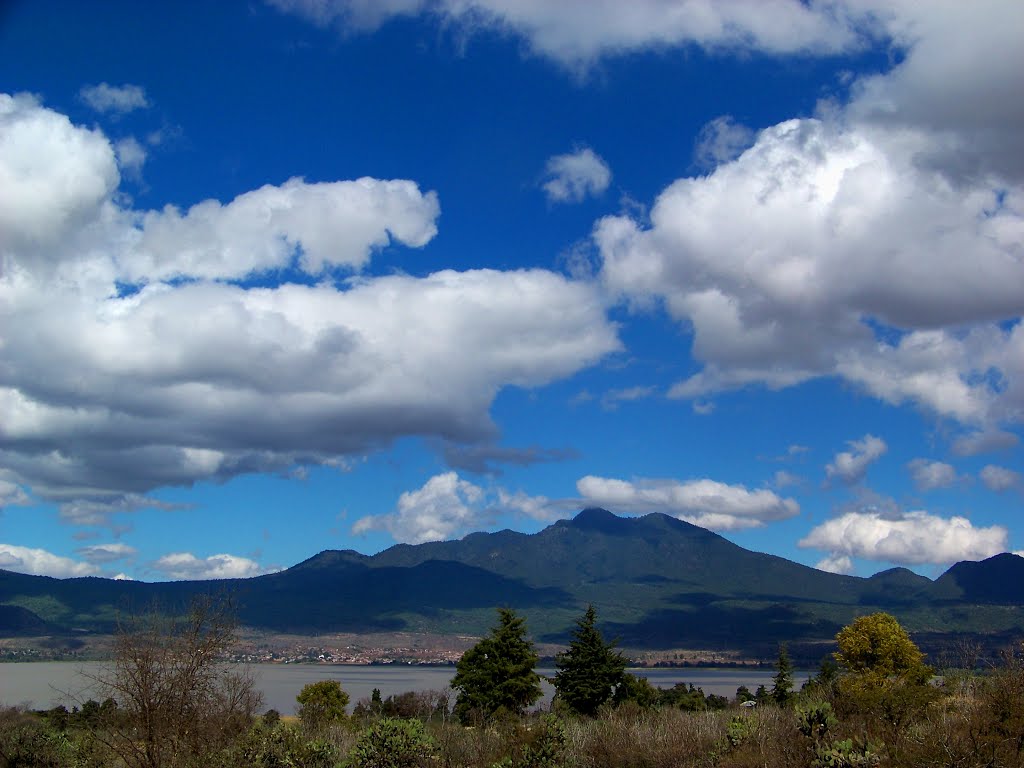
656,581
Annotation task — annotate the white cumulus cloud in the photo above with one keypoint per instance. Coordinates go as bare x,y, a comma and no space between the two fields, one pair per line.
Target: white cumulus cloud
849,260
447,507
446,504
185,566
913,538
54,176
40,562
851,466
836,564
323,225
576,176
840,227
704,502
229,379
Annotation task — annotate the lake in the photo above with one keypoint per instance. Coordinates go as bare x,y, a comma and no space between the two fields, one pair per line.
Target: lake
45,684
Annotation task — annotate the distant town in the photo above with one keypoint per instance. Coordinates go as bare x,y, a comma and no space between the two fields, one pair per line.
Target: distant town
427,650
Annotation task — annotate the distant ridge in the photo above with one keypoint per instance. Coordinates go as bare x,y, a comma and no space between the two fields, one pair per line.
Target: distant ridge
997,580
657,582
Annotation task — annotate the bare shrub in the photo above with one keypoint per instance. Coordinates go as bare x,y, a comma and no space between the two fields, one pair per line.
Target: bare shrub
634,738
177,701
467,747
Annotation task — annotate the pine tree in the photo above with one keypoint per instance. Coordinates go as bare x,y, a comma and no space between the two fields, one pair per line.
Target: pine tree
498,673
590,671
783,679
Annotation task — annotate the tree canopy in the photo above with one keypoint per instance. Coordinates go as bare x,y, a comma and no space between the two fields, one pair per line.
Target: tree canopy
498,673
322,703
590,671
782,682
877,645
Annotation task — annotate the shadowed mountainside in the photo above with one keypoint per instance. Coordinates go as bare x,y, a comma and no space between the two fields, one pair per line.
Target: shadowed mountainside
657,582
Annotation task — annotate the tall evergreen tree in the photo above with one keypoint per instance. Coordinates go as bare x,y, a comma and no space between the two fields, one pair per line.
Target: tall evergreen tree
590,670
498,673
783,679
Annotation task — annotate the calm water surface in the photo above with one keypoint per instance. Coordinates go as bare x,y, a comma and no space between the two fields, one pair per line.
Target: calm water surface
48,683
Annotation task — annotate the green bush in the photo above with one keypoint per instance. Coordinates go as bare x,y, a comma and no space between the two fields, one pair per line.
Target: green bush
280,746
637,690
738,730
27,742
815,719
392,743
271,718
543,746
848,753
322,704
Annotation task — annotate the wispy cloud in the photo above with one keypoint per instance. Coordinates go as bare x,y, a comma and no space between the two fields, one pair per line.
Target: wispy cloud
851,466
576,176
116,99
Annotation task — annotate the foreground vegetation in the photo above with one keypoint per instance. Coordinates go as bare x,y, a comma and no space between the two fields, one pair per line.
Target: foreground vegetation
170,705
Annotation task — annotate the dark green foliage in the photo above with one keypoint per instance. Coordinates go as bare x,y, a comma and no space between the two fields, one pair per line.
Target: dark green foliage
637,690
497,675
322,703
822,686
815,719
422,705
366,709
714,701
738,731
743,694
271,718
591,670
391,743
848,753
27,742
280,746
684,697
543,746
782,682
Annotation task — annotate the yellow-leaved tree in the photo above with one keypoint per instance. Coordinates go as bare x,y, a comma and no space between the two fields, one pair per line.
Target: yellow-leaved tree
885,680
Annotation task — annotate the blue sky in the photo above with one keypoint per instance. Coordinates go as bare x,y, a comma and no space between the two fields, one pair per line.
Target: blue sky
293,275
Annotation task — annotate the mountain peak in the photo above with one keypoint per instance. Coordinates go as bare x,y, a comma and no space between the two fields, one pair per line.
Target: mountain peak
595,514
598,519
332,558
